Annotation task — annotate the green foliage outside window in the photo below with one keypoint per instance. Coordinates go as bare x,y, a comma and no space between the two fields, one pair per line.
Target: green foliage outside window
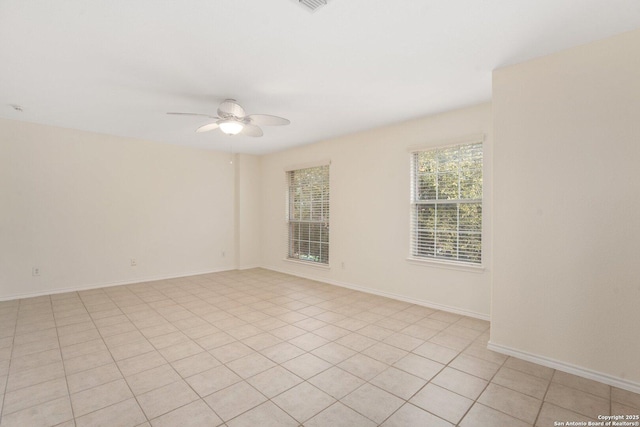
308,214
447,203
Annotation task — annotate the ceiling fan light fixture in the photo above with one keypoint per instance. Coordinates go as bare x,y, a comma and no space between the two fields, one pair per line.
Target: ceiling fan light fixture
231,127
232,119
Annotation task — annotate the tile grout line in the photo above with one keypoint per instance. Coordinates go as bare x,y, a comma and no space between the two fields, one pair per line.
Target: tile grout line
114,362
407,401
269,399
233,306
130,319
543,399
302,349
161,355
170,364
64,369
29,354
166,360
6,384
475,401
264,331
280,365
361,352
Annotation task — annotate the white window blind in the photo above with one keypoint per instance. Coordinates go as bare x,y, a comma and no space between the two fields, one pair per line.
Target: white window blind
446,203
308,214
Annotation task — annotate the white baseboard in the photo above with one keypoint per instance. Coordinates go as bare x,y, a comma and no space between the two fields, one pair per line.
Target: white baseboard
391,295
109,284
567,367
248,267
364,289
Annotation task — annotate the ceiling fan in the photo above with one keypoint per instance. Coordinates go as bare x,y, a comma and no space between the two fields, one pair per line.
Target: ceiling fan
232,120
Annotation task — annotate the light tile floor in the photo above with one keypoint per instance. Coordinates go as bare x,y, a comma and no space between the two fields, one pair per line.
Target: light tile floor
260,348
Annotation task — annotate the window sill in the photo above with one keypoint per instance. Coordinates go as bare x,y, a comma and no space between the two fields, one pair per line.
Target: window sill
451,265
308,263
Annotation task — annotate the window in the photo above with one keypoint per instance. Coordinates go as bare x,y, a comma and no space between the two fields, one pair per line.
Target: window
446,203
308,214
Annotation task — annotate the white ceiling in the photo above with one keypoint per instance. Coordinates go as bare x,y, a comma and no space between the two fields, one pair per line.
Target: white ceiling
118,66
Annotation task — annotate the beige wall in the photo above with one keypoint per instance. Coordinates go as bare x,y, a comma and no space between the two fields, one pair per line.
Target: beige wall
566,287
248,205
370,212
80,205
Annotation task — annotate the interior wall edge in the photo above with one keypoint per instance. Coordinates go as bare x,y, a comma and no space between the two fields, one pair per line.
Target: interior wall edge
110,284
391,295
569,368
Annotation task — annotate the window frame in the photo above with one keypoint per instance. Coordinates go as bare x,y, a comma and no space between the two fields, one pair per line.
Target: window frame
323,222
414,202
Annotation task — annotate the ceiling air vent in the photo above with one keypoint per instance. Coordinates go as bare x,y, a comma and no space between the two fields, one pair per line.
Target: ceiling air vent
313,4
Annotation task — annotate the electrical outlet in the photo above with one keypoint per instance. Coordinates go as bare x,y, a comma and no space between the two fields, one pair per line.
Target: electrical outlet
134,262
35,271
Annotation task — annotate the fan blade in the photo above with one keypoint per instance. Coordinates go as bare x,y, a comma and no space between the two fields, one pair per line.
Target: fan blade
251,130
230,107
267,120
207,128
193,114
